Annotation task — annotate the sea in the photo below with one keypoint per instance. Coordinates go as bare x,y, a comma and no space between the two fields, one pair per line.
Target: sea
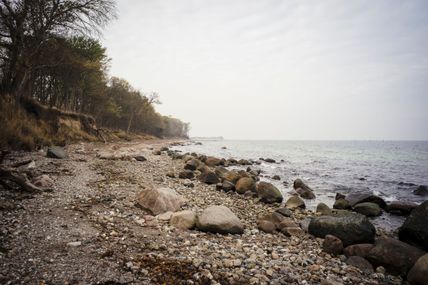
389,169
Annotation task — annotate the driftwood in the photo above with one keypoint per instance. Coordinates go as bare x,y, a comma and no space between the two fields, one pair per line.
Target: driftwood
8,174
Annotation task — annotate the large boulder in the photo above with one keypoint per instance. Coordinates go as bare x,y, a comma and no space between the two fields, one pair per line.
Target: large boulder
183,219
368,209
208,177
245,184
56,152
303,190
419,272
361,197
232,176
192,164
268,193
219,219
395,256
350,228
295,202
159,200
415,227
213,161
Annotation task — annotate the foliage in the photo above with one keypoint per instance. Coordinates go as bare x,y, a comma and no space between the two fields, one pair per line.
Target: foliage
47,54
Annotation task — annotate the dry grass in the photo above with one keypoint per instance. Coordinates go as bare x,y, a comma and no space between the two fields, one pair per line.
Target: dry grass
21,130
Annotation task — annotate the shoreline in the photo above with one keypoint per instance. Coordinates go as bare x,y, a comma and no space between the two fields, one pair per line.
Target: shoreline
88,229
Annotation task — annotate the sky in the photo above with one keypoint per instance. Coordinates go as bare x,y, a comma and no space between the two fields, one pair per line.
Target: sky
279,69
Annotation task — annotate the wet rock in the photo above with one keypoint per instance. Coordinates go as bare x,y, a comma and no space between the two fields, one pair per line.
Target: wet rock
219,219
342,204
323,209
419,272
42,181
269,160
232,176
303,190
56,152
208,177
415,227
350,229
358,197
245,184
157,152
268,193
362,249
186,174
360,263
397,257
401,208
421,191
368,209
244,162
160,200
295,202
332,245
183,219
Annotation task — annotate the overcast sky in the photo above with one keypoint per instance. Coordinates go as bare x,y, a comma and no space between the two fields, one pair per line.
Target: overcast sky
252,69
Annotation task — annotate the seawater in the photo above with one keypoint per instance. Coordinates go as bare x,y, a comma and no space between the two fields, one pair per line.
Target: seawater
390,169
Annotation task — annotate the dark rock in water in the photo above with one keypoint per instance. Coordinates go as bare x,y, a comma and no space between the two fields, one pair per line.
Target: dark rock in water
406,184
357,198
140,158
305,193
368,209
415,227
268,193
276,177
157,152
342,204
186,174
303,190
360,263
295,202
419,272
56,152
332,245
284,211
221,172
350,228
339,196
245,184
401,208
361,249
270,160
395,256
208,177
421,191
219,219
323,209
244,162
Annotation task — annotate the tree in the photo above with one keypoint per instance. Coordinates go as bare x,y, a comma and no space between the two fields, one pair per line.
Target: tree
27,25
